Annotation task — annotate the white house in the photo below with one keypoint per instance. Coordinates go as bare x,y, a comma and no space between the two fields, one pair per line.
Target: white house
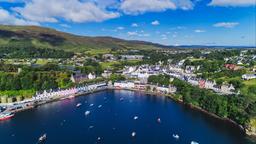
124,85
227,89
129,69
190,69
249,76
210,84
91,76
193,81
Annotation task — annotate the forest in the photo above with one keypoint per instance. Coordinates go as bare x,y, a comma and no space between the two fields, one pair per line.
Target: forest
25,49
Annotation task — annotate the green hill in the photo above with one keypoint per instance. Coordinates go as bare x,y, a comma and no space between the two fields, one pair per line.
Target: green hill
49,38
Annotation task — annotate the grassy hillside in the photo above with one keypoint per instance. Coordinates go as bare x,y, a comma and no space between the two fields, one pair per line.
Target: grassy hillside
50,38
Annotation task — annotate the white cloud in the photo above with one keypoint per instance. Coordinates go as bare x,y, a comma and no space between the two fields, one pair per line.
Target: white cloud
135,7
145,35
138,34
226,24
7,18
134,25
164,37
232,2
155,23
184,4
199,31
132,33
70,10
65,25
120,28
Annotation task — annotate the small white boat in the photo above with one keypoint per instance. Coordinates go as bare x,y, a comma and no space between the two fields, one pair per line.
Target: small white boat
99,106
175,136
42,138
135,117
91,105
78,105
121,99
159,120
133,134
87,113
99,138
90,127
194,142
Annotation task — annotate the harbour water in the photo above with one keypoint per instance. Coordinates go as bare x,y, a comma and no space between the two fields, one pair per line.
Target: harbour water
111,117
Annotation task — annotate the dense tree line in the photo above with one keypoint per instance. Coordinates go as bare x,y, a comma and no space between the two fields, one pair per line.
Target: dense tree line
163,80
33,80
237,107
25,49
221,54
91,66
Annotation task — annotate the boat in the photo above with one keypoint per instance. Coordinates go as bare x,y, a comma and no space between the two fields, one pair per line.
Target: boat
63,98
135,118
71,97
6,116
159,120
133,134
194,142
99,106
175,136
99,138
87,113
78,105
42,138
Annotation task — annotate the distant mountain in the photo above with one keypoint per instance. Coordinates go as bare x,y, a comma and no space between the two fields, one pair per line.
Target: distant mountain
50,38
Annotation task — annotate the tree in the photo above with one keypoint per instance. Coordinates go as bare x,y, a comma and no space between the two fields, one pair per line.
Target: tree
116,77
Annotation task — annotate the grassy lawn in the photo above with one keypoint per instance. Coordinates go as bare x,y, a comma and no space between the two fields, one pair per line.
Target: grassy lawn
109,64
94,52
250,82
247,84
42,61
196,59
230,78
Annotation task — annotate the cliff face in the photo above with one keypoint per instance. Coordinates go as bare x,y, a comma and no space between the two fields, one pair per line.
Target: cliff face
251,127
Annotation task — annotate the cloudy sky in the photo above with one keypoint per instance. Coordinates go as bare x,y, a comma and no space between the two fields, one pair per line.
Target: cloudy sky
170,22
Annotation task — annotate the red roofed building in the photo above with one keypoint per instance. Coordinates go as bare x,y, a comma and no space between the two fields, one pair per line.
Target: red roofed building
232,67
202,84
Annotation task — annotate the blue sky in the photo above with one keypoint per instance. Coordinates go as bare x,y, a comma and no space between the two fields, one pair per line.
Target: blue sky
169,22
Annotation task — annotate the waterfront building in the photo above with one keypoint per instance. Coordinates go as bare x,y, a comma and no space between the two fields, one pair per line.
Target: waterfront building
124,85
